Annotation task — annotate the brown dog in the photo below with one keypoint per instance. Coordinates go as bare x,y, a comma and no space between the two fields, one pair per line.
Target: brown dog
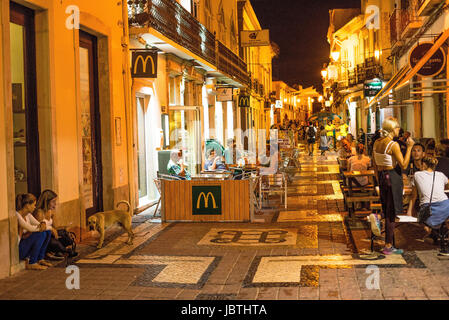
102,220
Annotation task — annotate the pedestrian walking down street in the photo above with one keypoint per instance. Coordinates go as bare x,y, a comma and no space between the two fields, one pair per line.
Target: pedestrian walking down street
387,156
311,138
323,141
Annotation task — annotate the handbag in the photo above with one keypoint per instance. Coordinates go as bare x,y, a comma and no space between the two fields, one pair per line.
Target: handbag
67,239
426,210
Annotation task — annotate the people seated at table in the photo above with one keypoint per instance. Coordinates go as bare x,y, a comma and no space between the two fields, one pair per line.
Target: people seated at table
177,167
445,143
430,147
443,159
271,166
415,165
387,155
214,162
361,136
33,235
344,150
430,183
230,153
359,162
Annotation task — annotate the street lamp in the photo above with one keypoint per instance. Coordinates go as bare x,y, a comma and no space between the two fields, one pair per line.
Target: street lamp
335,55
377,54
324,73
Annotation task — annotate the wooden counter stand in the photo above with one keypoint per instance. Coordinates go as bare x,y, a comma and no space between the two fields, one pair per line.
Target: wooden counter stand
178,205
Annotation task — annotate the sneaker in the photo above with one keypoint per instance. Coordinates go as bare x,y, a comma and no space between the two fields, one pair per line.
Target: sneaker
392,250
375,224
36,266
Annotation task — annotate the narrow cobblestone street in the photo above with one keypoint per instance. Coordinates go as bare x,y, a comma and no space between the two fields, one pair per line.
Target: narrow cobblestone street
303,252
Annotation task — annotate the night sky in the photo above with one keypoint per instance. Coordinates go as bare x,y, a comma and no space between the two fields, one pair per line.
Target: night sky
300,27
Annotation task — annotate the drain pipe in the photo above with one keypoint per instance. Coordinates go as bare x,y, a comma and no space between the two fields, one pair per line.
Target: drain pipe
128,104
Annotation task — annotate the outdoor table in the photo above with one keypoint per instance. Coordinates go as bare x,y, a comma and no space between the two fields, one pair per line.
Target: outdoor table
210,175
365,194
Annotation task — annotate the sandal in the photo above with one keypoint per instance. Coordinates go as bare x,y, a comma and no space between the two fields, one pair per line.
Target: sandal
45,263
35,266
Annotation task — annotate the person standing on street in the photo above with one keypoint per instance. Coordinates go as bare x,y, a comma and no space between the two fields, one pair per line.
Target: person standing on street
343,129
330,134
387,155
311,138
323,141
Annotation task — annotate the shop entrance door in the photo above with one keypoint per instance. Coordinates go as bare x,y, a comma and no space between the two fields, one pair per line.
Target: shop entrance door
147,142
90,122
185,134
24,105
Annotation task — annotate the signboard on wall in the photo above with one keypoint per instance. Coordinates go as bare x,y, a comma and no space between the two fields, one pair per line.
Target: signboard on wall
224,94
372,87
255,38
433,66
244,101
144,64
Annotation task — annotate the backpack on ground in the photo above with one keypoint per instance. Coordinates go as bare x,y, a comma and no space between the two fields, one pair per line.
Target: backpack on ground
67,239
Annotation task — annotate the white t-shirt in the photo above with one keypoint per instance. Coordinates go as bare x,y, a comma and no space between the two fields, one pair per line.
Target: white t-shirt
423,182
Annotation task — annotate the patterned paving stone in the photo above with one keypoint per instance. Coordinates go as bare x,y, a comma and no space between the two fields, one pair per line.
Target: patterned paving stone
253,237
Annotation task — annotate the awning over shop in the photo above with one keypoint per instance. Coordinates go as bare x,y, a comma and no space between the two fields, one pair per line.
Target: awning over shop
403,76
402,95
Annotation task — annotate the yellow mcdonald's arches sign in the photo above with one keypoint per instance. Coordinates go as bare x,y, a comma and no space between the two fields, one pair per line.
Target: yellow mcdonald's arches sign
206,200
244,101
144,64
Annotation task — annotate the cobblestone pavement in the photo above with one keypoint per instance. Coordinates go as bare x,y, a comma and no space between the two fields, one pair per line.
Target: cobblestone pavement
303,252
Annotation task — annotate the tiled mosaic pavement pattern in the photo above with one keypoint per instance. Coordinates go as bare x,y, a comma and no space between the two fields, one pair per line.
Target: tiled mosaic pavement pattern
302,252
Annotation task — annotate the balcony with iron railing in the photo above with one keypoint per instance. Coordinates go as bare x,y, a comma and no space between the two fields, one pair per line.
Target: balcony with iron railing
231,64
403,24
368,70
171,20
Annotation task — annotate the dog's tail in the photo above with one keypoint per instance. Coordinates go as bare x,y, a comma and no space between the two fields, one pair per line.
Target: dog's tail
127,203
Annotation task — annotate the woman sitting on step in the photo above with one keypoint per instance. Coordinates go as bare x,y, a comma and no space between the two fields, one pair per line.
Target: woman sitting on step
33,235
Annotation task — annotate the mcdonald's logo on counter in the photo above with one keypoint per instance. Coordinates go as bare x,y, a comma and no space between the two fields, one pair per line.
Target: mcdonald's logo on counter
144,64
244,101
206,200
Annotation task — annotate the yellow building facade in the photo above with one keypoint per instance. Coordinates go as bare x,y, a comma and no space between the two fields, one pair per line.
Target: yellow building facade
65,113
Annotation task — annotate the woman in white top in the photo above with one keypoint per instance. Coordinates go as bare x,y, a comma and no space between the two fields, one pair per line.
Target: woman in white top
33,236
424,182
46,206
387,155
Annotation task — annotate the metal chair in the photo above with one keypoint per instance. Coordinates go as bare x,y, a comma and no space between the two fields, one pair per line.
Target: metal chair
157,182
274,184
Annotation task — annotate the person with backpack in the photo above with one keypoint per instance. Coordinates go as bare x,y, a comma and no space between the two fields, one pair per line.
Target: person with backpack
311,138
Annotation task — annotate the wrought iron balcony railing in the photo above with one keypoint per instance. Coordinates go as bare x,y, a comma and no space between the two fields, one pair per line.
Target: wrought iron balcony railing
368,70
400,21
170,19
230,63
